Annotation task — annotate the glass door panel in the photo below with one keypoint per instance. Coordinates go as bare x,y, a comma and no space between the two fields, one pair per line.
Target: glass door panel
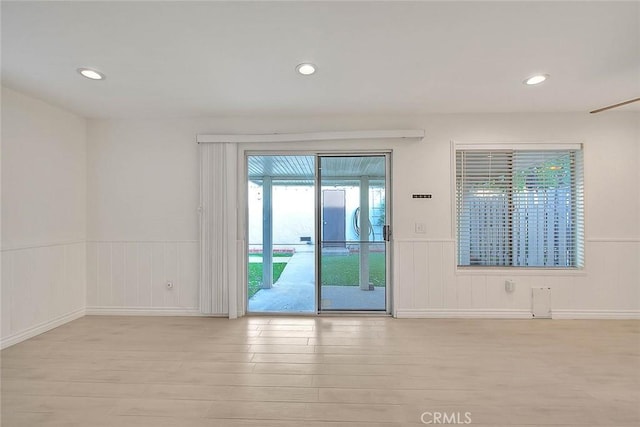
352,254
281,233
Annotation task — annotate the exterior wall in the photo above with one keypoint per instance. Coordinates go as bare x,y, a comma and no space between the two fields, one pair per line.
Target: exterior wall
43,216
294,213
143,189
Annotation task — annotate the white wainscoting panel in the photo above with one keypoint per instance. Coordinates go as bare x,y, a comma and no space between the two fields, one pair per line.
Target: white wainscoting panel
428,285
43,287
131,277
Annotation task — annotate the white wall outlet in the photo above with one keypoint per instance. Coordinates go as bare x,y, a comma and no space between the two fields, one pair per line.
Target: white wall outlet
169,285
509,286
421,228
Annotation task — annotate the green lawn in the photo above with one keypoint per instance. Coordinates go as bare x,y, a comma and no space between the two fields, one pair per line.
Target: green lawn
338,270
344,270
255,274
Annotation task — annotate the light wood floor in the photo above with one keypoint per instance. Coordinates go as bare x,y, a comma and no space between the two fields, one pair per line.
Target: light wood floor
281,371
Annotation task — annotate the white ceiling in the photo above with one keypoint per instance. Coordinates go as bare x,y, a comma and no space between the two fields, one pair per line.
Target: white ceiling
186,59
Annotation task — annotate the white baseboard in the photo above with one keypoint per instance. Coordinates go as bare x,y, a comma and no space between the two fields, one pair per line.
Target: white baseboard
595,314
514,314
463,314
40,328
147,311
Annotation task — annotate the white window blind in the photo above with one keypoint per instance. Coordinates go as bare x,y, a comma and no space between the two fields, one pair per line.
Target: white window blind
521,208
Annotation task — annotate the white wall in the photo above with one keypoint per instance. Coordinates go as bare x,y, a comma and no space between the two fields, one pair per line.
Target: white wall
609,286
43,216
143,194
142,218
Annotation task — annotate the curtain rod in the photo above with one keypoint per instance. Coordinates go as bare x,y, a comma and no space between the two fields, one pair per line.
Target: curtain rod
311,136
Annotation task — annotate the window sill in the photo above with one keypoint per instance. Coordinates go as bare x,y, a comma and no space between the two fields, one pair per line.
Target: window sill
519,271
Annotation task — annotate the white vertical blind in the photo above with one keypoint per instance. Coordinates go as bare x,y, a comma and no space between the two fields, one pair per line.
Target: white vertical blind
218,224
520,207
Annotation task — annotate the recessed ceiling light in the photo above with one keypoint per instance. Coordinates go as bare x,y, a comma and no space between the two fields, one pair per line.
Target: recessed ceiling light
536,80
306,69
91,74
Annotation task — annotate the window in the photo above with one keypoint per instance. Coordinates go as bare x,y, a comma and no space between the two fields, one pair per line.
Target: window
519,207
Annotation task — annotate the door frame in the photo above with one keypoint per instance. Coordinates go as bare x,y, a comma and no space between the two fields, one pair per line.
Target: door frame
243,204
387,154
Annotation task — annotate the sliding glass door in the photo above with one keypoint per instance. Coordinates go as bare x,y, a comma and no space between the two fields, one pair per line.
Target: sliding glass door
281,234
317,233
352,252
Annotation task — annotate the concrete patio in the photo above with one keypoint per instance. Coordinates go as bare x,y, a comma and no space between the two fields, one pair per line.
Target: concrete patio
294,292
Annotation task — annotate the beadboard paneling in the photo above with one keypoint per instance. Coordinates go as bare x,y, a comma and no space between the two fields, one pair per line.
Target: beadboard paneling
428,283
41,286
134,275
